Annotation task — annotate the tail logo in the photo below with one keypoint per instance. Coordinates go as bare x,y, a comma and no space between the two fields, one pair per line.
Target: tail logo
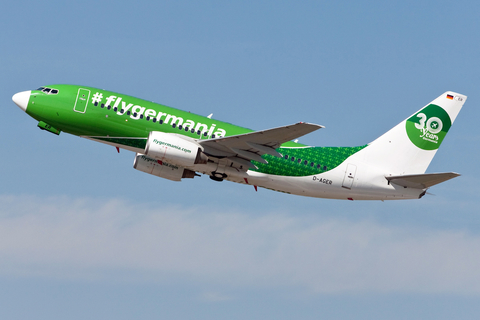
428,127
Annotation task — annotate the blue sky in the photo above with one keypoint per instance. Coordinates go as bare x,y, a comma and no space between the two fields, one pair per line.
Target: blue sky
84,235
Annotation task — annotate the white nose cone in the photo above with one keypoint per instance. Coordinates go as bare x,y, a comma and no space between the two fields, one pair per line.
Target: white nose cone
21,99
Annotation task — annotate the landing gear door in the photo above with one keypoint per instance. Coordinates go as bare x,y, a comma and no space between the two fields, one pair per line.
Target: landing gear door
349,176
82,100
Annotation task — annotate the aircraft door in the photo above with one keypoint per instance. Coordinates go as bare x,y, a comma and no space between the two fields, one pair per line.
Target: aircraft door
349,176
82,100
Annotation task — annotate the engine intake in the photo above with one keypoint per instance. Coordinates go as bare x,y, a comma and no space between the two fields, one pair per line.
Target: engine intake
174,149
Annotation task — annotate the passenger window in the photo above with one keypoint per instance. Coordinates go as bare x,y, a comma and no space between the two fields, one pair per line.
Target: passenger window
154,119
180,127
174,125
148,118
286,156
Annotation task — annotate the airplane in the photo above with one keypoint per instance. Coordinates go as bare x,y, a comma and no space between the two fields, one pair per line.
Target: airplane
175,144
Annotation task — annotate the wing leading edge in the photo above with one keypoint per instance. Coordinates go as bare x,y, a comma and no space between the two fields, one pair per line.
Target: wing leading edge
243,148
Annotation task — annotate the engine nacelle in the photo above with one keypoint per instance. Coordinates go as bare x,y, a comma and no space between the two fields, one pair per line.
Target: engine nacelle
162,169
173,149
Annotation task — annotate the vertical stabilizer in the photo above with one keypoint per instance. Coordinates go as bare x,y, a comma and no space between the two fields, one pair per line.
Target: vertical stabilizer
409,147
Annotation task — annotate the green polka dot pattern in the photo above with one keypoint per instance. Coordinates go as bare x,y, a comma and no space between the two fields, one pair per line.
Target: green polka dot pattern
305,161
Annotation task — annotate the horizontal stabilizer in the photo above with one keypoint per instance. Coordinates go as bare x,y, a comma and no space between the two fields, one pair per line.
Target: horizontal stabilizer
422,181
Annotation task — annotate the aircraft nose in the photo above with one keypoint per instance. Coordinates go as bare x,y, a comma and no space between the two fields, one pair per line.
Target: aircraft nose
21,99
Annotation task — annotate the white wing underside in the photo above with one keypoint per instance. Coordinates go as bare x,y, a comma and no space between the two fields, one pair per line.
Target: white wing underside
243,148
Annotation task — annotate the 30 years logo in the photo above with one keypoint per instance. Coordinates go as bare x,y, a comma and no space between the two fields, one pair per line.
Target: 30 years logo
428,127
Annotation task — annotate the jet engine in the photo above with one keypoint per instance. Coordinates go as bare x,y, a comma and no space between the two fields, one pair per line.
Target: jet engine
162,169
174,149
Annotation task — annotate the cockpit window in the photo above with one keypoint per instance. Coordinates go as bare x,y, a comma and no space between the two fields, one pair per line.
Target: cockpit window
48,90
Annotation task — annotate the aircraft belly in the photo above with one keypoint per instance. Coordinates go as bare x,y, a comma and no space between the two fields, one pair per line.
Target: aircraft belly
329,185
321,186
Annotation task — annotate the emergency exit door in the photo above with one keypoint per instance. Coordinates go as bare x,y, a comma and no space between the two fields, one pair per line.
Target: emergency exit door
82,100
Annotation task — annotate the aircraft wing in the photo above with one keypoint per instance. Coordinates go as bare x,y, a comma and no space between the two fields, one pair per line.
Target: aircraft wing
242,148
422,181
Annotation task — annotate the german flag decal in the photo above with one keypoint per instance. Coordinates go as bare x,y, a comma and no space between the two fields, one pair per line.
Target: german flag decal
449,97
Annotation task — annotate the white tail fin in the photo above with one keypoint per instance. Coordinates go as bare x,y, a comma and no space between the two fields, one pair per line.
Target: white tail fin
409,147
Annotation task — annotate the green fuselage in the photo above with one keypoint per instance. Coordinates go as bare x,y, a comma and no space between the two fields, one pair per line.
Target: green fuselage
126,121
